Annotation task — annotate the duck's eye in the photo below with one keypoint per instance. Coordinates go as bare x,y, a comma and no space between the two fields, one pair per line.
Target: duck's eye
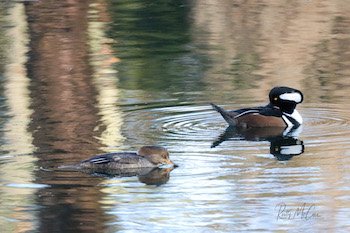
275,99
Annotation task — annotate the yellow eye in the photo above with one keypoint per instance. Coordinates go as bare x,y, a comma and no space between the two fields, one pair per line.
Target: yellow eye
275,98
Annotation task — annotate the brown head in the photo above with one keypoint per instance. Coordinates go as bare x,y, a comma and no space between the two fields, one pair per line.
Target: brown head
155,154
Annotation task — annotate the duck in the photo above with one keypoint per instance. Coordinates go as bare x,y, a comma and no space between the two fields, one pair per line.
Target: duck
280,112
145,157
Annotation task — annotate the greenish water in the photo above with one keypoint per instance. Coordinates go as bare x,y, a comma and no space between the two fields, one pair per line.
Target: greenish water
83,78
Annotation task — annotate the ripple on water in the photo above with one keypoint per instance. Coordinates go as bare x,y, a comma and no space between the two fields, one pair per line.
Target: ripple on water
327,126
194,128
237,182
187,123
190,128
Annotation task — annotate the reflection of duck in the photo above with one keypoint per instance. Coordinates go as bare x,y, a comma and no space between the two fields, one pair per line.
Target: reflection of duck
284,142
157,176
285,147
251,134
147,175
280,112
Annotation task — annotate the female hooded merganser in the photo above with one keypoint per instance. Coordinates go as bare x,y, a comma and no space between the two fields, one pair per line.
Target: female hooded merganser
280,112
146,157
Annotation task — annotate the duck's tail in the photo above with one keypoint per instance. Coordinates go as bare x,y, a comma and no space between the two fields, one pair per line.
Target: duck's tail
69,167
225,114
60,168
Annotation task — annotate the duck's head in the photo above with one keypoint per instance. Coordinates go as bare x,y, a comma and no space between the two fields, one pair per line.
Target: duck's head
285,98
156,154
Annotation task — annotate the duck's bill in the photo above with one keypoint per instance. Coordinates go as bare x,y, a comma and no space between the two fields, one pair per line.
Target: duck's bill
172,165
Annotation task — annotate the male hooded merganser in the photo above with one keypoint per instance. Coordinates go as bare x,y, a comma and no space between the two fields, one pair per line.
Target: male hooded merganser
280,112
145,157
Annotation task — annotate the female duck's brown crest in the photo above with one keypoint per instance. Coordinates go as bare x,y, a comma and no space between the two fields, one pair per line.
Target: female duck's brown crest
155,154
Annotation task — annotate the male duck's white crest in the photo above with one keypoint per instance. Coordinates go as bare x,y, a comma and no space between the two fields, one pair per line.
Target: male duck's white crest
295,97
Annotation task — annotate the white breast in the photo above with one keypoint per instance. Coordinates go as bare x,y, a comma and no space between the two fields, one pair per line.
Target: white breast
295,115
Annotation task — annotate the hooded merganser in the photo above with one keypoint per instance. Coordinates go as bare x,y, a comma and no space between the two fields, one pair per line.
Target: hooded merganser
145,157
280,112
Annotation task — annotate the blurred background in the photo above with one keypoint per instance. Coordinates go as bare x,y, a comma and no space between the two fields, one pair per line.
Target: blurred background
78,78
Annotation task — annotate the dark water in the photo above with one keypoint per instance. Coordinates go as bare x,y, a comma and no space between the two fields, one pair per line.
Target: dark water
78,78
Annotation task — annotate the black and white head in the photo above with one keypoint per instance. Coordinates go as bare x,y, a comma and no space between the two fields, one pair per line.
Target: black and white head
286,99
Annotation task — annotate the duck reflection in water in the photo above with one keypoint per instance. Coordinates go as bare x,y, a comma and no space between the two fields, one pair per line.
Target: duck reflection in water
150,176
284,143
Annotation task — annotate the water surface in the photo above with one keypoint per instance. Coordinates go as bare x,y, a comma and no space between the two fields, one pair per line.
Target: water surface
82,78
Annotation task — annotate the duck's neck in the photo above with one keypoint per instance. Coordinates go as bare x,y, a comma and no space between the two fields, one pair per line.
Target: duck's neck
292,120
288,107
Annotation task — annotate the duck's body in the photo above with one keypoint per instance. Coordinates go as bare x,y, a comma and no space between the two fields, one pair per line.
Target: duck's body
146,157
119,160
280,112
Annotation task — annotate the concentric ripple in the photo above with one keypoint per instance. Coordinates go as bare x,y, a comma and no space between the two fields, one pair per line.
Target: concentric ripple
189,123
327,126
199,126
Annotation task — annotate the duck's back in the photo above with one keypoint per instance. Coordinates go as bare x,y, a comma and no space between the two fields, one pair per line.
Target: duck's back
121,160
266,116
